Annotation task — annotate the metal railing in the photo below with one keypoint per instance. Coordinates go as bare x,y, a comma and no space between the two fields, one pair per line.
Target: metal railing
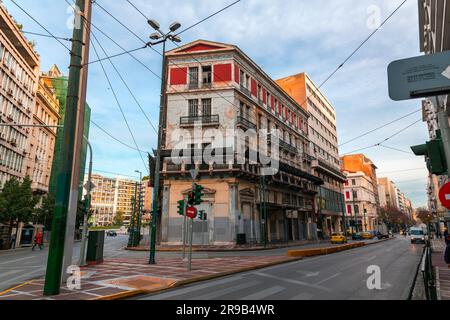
246,123
192,120
426,268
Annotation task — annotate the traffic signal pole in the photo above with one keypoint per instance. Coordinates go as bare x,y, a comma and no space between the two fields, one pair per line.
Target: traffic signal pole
88,208
56,249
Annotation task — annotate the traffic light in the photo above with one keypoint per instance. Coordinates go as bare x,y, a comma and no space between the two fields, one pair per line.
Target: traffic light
203,216
191,198
434,155
198,194
180,207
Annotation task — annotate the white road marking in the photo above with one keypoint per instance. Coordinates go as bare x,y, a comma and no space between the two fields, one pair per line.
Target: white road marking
308,274
302,296
17,260
263,294
5,274
329,278
216,294
292,281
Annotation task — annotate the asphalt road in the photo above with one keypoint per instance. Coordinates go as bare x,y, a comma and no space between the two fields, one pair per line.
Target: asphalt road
23,264
340,276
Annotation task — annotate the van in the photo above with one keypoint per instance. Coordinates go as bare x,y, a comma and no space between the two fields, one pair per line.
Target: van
417,235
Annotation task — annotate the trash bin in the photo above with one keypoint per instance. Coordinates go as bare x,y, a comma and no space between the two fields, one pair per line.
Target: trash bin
241,239
96,242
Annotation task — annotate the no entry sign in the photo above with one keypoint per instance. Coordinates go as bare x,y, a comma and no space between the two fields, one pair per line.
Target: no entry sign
444,195
191,212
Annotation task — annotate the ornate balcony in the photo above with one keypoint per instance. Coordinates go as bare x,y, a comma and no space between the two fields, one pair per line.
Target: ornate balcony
245,123
191,121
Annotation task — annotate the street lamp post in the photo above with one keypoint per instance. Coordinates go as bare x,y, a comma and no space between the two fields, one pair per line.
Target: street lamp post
160,37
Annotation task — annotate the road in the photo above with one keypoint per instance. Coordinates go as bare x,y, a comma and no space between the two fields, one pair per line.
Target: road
23,264
340,276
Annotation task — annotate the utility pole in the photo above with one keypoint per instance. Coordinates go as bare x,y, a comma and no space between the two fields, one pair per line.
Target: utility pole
356,215
131,233
77,81
139,217
79,138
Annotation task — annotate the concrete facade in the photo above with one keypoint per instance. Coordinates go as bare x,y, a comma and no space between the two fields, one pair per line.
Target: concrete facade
323,149
214,90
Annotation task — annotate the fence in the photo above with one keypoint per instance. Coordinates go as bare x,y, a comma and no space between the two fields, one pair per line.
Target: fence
426,268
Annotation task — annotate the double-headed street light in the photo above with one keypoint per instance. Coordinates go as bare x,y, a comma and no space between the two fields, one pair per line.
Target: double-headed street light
159,37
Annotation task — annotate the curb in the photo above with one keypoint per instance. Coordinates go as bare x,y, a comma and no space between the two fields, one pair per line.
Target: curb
438,285
323,251
134,293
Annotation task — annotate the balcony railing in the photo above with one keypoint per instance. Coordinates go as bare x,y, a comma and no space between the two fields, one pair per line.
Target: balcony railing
193,85
241,121
245,91
284,145
203,120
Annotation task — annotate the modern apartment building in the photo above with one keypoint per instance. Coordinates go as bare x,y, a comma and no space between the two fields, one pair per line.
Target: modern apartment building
19,73
361,191
111,196
219,102
434,32
323,149
42,139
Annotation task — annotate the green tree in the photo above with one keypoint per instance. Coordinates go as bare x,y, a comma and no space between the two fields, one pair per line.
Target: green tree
44,213
118,219
17,202
425,216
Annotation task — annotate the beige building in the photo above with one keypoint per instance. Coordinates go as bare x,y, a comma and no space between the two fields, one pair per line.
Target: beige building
323,148
217,95
361,191
110,196
19,72
42,139
393,197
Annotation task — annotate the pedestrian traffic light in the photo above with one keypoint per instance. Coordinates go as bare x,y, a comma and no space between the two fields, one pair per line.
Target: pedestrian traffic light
203,216
434,155
191,198
181,207
198,194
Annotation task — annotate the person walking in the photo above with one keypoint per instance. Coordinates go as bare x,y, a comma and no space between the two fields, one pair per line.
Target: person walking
38,241
13,241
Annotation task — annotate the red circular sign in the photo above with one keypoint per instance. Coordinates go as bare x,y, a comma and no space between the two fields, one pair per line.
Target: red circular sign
444,195
191,212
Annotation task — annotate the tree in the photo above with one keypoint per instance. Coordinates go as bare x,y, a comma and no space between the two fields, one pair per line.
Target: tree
44,214
17,202
118,219
394,217
425,216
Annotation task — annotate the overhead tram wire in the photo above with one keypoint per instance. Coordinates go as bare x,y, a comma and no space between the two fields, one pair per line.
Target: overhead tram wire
119,105
6,29
151,47
40,24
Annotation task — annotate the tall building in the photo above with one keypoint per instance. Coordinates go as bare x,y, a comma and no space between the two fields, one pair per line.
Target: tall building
215,90
361,191
323,148
55,80
19,73
434,32
42,139
111,196
388,191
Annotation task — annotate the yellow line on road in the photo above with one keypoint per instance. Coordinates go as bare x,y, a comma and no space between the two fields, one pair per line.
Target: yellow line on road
16,287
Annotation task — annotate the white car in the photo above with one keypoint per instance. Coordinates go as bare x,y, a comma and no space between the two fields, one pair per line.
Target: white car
417,235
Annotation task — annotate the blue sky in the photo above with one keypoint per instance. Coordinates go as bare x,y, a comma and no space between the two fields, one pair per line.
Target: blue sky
283,37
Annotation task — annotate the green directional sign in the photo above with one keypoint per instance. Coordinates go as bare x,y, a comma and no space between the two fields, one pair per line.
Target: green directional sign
420,77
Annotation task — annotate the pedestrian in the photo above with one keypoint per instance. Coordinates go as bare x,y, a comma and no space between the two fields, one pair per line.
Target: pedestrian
13,241
446,236
447,250
38,241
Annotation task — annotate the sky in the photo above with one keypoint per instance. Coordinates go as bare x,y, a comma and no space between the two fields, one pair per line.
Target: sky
284,37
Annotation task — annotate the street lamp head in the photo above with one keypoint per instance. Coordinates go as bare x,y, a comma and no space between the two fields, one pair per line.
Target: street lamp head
154,24
176,39
155,36
175,26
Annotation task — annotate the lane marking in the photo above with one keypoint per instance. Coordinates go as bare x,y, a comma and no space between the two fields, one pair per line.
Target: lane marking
293,281
302,296
220,293
329,278
17,260
264,294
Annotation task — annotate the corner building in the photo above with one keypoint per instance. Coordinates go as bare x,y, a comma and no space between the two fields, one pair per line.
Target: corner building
217,89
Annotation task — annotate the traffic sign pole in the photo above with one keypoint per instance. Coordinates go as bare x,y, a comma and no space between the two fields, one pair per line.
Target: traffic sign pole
184,230
191,236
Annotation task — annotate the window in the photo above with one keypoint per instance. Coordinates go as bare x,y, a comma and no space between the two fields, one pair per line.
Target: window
193,77
206,107
206,75
347,195
349,209
353,182
193,108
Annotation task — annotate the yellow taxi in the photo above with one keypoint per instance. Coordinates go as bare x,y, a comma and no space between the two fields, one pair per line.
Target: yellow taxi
367,235
338,238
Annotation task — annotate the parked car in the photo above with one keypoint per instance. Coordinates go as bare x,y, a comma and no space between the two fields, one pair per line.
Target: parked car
417,235
382,236
111,234
367,235
338,238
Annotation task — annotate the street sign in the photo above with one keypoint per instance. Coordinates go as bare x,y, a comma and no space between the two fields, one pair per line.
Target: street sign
444,195
419,77
191,212
92,186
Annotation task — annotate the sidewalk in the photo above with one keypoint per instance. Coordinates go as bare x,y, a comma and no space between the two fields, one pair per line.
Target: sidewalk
121,278
441,269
